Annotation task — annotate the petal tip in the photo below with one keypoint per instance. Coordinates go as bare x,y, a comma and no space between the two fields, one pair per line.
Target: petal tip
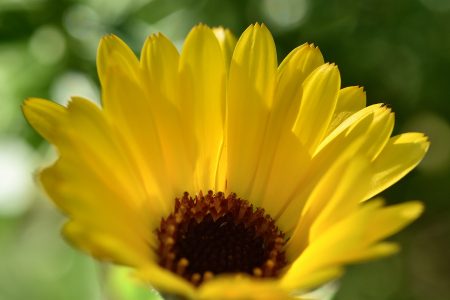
201,27
26,104
108,39
329,67
413,210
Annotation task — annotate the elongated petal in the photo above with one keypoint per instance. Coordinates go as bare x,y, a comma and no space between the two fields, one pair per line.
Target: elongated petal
376,136
305,57
106,246
350,100
400,155
373,252
320,92
154,131
227,43
160,106
350,140
349,123
123,95
113,52
242,287
352,183
159,63
282,154
166,281
90,158
141,138
45,117
88,132
342,148
288,92
392,219
348,239
61,182
287,168
342,239
250,92
314,279
202,71
335,196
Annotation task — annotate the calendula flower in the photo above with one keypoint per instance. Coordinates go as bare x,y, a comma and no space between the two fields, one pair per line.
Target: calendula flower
217,174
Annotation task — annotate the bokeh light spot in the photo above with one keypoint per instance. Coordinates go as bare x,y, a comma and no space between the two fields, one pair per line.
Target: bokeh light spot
17,161
284,14
437,5
81,21
47,44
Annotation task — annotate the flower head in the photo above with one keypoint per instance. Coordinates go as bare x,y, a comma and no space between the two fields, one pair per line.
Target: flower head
216,173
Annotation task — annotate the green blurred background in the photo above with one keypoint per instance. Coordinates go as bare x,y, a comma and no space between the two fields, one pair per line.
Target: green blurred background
398,50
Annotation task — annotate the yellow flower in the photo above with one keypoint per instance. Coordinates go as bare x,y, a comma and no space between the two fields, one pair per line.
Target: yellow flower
217,174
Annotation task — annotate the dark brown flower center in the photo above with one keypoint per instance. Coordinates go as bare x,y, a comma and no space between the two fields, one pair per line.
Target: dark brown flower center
213,234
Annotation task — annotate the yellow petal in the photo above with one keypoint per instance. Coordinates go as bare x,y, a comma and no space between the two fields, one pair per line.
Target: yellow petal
153,136
146,98
341,200
324,275
374,137
288,92
378,134
334,197
140,138
349,123
202,71
159,63
285,169
400,155
227,43
105,246
256,61
342,148
250,93
45,117
166,281
113,52
350,100
392,219
373,252
320,92
283,157
161,103
241,287
332,248
293,282
90,158
62,181
354,238
305,57
81,133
